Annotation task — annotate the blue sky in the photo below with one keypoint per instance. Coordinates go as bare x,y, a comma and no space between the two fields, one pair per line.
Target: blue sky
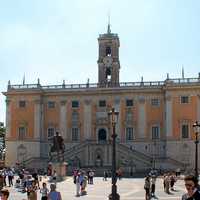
56,40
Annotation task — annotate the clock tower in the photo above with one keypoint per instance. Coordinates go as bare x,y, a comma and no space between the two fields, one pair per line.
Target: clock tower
108,61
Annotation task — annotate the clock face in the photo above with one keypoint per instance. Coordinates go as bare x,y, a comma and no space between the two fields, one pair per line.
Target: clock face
107,61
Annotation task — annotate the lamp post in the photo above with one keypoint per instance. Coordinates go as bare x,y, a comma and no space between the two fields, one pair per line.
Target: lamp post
196,127
114,117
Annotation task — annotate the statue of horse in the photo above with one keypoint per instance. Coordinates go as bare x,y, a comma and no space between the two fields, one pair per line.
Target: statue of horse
57,147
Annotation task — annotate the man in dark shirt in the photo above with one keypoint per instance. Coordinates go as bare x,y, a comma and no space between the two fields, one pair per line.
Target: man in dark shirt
191,184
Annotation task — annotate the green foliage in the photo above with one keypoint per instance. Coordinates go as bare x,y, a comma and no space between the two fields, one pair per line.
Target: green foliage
2,129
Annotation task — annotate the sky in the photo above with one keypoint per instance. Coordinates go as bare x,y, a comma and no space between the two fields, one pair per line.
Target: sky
57,40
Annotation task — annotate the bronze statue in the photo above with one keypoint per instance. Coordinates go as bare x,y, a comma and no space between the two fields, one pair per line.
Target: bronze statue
58,147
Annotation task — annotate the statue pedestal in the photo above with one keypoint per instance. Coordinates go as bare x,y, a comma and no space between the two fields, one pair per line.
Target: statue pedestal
61,170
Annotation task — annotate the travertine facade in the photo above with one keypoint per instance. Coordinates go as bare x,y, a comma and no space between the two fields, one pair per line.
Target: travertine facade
154,126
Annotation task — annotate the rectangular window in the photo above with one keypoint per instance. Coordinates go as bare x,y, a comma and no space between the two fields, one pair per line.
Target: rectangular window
22,104
129,102
129,116
51,104
185,131
155,132
22,132
75,134
155,102
50,133
184,99
75,104
102,103
129,134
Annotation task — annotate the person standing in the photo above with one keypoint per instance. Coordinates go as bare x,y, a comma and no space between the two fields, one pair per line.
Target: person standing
172,182
147,188
54,178
191,184
164,182
44,191
91,175
88,175
32,195
167,183
105,175
75,174
78,185
10,177
35,176
4,174
53,194
83,185
153,186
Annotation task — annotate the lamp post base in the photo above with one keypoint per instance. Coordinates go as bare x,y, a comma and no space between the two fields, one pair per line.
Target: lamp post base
114,197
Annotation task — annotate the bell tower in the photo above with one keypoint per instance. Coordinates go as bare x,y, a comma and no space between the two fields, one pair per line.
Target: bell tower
108,61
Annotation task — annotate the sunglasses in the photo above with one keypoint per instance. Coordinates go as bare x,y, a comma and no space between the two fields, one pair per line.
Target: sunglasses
188,185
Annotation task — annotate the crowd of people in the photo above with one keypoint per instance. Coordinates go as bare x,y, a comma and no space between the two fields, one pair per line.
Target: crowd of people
169,180
29,183
81,178
32,184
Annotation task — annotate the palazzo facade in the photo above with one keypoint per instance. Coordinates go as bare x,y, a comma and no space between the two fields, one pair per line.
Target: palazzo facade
154,127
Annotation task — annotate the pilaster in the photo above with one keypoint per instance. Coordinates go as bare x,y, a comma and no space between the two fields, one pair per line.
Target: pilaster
8,118
63,119
142,117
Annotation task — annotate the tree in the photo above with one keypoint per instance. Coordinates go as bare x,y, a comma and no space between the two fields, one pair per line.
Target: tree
2,140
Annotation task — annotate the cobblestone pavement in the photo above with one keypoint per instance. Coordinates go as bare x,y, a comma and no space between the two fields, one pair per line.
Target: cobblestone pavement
129,189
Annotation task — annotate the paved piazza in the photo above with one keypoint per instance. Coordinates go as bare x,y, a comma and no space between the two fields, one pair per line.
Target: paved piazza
129,189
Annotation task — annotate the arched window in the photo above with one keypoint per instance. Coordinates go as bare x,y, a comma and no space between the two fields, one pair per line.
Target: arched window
108,51
102,135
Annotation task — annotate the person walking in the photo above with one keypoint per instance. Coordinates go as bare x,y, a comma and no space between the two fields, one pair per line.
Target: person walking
191,185
147,188
53,194
44,191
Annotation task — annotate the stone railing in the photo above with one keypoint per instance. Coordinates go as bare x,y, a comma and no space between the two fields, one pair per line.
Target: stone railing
141,84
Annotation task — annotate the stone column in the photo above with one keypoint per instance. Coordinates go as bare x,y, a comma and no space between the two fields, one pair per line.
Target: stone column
87,125
8,118
168,111
63,119
37,119
141,118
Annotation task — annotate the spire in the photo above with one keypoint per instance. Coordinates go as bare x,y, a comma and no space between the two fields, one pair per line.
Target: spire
108,29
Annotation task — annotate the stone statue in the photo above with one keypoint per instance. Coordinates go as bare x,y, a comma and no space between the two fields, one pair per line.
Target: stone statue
58,147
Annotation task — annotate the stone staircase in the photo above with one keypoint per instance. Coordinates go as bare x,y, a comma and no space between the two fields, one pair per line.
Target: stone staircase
142,162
